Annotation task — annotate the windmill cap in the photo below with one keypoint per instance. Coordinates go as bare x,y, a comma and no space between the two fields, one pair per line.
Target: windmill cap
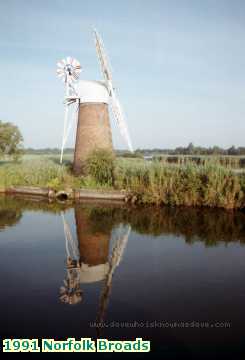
90,91
90,274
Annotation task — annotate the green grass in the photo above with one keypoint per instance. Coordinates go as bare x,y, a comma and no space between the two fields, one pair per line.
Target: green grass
190,185
153,183
43,171
36,172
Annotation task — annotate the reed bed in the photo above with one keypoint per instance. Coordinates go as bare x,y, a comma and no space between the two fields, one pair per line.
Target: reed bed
38,172
229,161
190,184
151,183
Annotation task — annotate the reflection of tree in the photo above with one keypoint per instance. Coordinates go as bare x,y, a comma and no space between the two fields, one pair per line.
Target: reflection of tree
11,208
10,213
9,218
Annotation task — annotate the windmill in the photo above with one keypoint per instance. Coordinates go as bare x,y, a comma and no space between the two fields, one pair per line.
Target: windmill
86,102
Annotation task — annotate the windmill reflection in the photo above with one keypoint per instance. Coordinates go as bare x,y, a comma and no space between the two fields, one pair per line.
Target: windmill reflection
94,235
88,256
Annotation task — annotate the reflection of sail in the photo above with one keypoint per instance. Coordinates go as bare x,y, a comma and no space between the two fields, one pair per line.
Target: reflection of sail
71,245
71,292
122,236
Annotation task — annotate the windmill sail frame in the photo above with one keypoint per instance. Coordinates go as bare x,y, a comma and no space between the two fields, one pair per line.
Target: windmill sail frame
115,104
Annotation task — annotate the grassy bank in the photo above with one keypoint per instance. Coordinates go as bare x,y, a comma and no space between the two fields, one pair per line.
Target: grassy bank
152,183
190,185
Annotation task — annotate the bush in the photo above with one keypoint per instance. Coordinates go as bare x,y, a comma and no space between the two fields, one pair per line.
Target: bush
100,165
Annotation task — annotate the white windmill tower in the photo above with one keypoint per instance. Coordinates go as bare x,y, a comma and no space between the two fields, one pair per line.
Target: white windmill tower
90,100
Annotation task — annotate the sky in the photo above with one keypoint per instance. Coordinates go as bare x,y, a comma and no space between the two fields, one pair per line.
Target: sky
178,66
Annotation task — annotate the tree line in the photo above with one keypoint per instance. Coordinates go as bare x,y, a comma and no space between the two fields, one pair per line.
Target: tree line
195,150
11,144
181,150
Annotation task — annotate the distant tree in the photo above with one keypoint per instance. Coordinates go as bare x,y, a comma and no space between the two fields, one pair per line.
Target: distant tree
232,150
190,149
241,150
10,140
217,150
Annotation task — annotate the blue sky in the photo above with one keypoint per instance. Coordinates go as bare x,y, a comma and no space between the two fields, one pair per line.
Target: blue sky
179,67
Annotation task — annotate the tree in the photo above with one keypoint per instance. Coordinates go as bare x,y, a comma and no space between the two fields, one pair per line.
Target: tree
10,140
232,150
190,149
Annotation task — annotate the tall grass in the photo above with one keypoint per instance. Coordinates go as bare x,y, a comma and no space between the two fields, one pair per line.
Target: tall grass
152,183
36,173
190,185
229,161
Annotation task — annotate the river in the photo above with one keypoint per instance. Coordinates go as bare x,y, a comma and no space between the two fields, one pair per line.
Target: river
174,276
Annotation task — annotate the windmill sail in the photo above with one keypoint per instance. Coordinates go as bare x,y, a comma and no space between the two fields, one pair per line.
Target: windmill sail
104,62
116,107
118,115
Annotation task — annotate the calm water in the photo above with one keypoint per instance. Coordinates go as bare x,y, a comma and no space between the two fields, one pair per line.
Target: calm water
173,276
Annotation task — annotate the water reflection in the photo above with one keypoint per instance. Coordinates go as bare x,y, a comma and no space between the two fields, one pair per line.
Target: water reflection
71,293
122,235
9,215
88,258
210,226
166,275
96,248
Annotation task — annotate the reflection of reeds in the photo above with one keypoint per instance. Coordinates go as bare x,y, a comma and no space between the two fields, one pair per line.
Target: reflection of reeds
203,224
211,226
195,224
21,202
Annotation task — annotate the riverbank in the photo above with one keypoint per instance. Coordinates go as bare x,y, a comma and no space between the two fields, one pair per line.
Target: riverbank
148,183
